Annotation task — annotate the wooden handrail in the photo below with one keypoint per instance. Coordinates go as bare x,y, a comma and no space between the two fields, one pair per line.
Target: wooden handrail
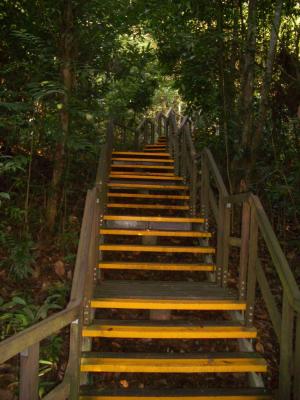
285,274
286,323
37,332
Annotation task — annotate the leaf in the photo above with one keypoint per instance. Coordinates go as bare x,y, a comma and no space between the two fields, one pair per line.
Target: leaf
19,300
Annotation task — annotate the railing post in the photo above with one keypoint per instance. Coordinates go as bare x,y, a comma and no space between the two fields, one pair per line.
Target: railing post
29,373
244,253
193,187
204,187
220,240
286,350
176,151
226,234
152,132
296,389
251,279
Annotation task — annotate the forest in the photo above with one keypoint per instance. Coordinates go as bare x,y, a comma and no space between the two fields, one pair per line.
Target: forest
67,67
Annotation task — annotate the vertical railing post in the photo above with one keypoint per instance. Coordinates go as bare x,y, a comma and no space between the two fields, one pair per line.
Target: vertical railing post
159,124
29,373
226,233
204,187
193,187
152,132
176,150
220,239
296,389
244,253
286,350
251,279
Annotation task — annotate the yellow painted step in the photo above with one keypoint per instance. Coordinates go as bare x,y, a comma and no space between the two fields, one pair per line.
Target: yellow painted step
145,177
144,173
137,153
147,186
140,232
153,219
174,397
153,160
157,266
149,196
151,146
168,304
140,166
156,149
147,206
189,365
163,331
156,249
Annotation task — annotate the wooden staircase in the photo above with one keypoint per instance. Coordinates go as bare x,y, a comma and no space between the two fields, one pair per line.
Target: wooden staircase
162,313
157,282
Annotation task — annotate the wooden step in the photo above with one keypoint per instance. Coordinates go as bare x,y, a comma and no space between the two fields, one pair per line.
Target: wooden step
151,146
146,186
141,232
172,363
137,153
157,266
149,196
141,166
178,394
153,219
144,173
145,177
150,160
156,149
164,295
139,248
147,206
167,330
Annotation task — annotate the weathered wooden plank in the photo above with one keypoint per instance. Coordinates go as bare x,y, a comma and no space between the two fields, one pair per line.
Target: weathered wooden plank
244,253
29,373
286,350
280,262
269,299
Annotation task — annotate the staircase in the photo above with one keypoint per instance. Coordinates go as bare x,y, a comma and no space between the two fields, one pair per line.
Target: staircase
156,283
162,313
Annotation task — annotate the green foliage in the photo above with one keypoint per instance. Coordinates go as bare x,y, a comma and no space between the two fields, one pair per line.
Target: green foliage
19,313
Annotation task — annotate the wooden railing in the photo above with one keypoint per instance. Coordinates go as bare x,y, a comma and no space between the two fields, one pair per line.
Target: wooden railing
256,233
26,344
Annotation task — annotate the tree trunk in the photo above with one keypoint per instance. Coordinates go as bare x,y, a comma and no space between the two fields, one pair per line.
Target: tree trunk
247,80
224,110
264,94
245,102
67,75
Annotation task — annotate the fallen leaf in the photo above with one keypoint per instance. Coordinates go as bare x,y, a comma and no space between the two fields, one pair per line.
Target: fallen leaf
59,268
